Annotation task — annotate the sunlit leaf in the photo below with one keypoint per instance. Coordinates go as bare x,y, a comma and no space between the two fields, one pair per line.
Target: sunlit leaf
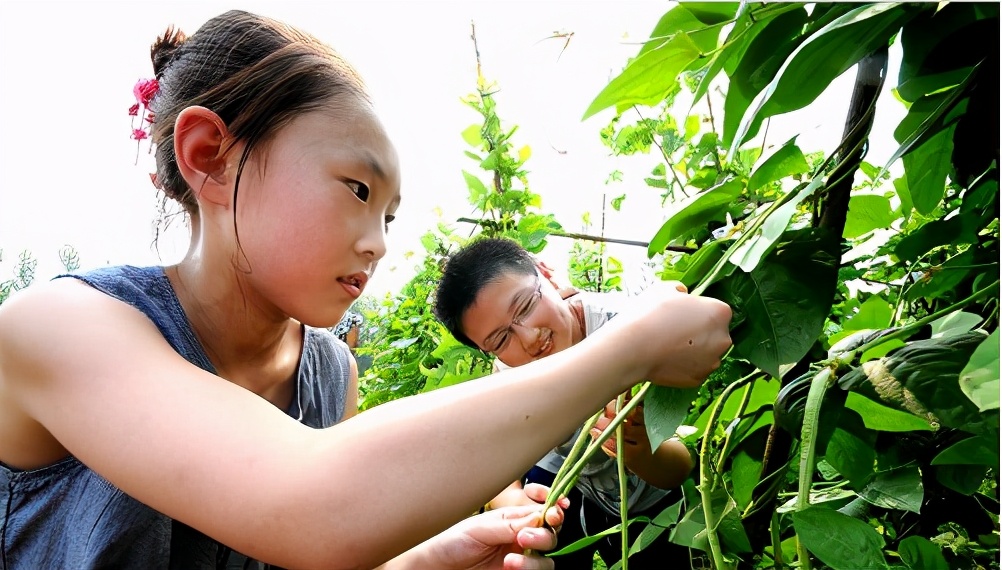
747,256
649,77
786,161
694,212
979,379
867,212
882,418
664,410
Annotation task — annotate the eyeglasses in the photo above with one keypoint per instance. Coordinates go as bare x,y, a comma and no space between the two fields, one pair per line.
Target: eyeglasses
498,341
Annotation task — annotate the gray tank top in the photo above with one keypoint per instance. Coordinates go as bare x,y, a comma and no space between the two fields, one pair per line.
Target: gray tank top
67,516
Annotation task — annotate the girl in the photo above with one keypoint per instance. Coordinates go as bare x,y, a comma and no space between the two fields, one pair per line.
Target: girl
145,410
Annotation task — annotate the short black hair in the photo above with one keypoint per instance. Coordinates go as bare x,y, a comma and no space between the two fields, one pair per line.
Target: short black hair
467,271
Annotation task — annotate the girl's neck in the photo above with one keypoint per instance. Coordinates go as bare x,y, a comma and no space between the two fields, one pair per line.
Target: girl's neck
249,342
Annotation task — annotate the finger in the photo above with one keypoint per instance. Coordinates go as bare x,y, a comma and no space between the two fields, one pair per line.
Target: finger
522,562
539,493
536,539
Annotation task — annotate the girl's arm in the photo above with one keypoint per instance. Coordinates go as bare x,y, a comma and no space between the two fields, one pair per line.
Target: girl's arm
84,373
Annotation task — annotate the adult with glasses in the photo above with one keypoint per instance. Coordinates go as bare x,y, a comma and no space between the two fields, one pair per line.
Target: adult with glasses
496,297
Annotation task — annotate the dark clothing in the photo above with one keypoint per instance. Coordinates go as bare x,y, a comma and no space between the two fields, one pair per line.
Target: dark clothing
585,517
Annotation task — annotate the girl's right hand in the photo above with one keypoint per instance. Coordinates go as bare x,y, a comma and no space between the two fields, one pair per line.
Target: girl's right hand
676,339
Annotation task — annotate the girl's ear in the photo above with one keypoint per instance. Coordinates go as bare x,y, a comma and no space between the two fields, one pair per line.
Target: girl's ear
200,138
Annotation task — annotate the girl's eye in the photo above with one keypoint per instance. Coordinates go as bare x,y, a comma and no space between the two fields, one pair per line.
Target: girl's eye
361,191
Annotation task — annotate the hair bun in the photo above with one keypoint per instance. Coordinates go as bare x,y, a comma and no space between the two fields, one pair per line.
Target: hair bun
164,49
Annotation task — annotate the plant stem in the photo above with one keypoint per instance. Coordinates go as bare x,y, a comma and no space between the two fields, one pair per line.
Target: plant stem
623,498
561,485
777,542
741,410
707,475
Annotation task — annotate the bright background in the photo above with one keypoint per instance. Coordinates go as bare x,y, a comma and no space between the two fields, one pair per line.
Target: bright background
67,165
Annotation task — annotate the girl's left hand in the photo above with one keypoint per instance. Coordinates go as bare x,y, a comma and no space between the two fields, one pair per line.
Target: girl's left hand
496,540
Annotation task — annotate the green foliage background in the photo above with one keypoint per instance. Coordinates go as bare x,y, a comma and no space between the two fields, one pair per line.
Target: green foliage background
855,422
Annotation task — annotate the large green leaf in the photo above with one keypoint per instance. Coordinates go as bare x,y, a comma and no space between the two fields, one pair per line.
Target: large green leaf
964,479
840,541
680,19
664,410
920,553
851,456
882,418
763,394
772,43
977,450
931,32
649,77
820,59
694,212
923,378
783,303
899,489
867,212
926,168
979,379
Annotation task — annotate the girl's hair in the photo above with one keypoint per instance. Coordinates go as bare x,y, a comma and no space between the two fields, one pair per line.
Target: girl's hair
257,74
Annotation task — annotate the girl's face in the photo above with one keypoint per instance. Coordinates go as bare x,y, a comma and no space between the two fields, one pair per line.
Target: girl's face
520,318
312,212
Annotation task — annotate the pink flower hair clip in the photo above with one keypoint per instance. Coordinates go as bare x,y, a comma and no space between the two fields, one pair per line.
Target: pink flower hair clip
144,91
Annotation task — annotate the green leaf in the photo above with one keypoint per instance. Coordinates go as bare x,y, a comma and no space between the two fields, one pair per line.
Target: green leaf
964,479
763,394
942,279
702,261
901,189
665,520
867,212
882,418
920,553
781,305
750,253
819,60
874,313
786,161
664,410
979,379
899,489
694,212
840,541
745,471
977,450
926,168
773,42
955,323
923,378
472,135
649,77
853,457
932,235
593,538
929,116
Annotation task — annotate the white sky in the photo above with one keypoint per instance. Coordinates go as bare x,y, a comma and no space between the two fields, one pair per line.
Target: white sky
67,70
